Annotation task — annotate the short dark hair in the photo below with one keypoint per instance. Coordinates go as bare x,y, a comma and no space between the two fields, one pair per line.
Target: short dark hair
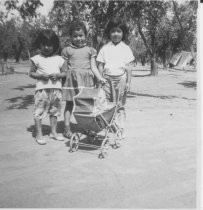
115,22
77,25
48,37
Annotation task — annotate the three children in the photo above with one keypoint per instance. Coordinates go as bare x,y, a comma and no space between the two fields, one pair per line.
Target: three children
80,69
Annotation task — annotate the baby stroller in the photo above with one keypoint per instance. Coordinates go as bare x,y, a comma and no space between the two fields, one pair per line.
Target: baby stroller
95,115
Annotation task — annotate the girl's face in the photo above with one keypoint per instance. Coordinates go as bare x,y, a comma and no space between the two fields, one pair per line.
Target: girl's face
46,49
78,38
116,35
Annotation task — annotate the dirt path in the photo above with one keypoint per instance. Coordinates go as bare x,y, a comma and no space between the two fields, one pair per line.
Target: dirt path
154,168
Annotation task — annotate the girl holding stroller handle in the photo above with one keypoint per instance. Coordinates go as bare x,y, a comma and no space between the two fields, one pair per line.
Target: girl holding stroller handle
114,60
81,70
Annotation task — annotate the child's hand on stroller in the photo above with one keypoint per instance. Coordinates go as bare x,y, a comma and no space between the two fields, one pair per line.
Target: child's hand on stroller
53,77
102,81
127,87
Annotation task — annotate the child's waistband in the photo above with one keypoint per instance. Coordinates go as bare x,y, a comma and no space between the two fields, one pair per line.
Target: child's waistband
114,76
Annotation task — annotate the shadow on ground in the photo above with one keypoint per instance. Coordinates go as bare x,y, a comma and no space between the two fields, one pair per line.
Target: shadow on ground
20,102
24,87
45,130
145,75
133,95
189,84
60,128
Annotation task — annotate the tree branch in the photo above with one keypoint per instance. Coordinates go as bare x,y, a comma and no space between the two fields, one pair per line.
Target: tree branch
143,37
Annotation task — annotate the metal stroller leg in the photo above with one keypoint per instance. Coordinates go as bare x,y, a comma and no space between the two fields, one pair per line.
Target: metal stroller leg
105,145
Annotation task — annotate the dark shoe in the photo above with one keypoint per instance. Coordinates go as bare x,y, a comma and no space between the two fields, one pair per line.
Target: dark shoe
67,133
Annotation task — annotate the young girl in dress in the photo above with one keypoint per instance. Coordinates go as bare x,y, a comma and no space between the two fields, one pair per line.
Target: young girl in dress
47,68
81,70
114,62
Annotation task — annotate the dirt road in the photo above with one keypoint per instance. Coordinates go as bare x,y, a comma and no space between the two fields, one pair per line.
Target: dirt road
154,168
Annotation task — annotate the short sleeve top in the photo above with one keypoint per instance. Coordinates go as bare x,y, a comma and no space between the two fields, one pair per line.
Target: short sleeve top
79,58
115,57
48,65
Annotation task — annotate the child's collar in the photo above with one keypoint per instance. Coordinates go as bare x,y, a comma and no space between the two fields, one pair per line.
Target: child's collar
115,44
41,54
73,46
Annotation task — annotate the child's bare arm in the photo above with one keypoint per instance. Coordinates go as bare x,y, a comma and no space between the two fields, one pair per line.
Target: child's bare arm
33,74
128,68
95,70
57,76
60,75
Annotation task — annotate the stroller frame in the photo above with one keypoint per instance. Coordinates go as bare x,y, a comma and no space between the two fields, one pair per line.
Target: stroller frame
110,127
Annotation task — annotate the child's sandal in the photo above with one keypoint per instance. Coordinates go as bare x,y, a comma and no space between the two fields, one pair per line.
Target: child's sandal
40,141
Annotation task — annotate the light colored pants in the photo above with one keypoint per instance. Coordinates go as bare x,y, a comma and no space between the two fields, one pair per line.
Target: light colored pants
115,89
116,85
47,101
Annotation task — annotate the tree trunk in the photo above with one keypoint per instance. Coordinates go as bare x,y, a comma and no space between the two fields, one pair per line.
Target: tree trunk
5,56
164,60
75,10
154,67
17,56
143,61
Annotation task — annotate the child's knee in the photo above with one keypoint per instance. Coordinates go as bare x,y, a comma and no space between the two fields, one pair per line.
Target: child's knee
55,111
39,114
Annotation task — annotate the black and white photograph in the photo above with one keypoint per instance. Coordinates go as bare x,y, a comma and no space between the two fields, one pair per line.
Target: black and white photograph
100,104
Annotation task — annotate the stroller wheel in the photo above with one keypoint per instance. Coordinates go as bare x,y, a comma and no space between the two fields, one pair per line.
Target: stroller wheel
116,145
100,156
103,154
74,142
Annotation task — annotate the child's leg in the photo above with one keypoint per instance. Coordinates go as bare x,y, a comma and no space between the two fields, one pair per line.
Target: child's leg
39,136
67,115
109,90
121,87
39,113
121,118
38,126
54,111
53,124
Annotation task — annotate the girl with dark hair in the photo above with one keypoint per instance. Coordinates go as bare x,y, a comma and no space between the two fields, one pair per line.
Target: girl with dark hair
81,70
116,23
48,69
114,60
48,37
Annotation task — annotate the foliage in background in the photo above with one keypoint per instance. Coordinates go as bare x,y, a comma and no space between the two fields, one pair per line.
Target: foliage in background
158,29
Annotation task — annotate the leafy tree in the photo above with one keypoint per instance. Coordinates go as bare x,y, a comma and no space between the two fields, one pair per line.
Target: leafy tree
185,17
26,9
146,17
8,37
161,27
